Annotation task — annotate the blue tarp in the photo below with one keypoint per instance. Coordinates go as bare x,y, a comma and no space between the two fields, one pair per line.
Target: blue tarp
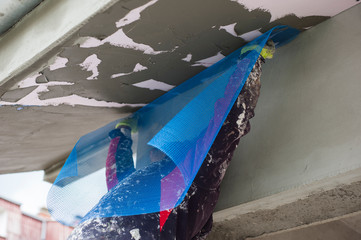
182,123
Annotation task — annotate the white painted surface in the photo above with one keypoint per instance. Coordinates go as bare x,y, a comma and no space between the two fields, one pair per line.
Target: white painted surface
59,62
188,58
133,15
207,62
154,84
230,29
39,32
249,36
301,8
138,68
91,64
32,99
120,39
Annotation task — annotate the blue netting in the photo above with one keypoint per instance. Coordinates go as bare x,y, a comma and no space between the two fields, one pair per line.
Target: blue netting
182,123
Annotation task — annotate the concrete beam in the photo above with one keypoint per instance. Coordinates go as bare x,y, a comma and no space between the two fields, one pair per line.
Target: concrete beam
346,227
51,23
321,200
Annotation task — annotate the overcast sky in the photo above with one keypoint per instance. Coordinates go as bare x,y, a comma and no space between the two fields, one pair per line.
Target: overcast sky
28,189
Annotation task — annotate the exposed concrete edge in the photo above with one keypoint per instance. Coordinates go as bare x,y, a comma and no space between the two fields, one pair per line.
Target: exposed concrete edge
33,36
319,201
289,196
52,172
354,214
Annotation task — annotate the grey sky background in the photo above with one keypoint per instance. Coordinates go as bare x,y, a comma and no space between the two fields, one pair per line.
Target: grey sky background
28,189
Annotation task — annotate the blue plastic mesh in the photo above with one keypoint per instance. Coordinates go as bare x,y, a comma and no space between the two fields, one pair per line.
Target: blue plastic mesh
182,123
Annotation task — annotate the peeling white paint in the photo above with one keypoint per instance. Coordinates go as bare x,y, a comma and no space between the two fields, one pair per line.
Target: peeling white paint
135,234
119,75
90,42
133,15
32,99
91,64
138,67
230,29
29,82
188,58
249,36
301,8
207,62
152,84
59,62
120,39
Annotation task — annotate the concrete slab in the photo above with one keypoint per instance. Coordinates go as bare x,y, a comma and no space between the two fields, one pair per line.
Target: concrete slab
341,228
319,201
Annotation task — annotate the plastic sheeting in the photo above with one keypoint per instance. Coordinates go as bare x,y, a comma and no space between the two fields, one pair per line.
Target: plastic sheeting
182,123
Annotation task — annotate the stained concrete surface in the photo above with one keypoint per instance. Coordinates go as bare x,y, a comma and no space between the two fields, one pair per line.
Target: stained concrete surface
318,206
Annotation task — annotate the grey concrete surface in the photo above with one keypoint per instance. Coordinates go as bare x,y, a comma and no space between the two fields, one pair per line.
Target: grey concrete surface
161,36
343,228
307,124
318,206
34,138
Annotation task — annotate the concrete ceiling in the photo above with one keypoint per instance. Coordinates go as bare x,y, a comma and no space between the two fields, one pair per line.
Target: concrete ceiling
124,56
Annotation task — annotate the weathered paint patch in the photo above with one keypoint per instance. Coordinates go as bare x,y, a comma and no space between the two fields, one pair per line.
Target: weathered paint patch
59,62
133,15
188,58
152,84
249,36
89,42
33,100
230,29
120,39
207,62
29,82
301,8
91,64
138,67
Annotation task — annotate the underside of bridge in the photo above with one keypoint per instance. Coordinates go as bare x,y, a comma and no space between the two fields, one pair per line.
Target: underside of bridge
69,67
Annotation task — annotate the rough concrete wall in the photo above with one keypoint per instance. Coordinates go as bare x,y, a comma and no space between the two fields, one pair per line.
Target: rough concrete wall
319,206
307,125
